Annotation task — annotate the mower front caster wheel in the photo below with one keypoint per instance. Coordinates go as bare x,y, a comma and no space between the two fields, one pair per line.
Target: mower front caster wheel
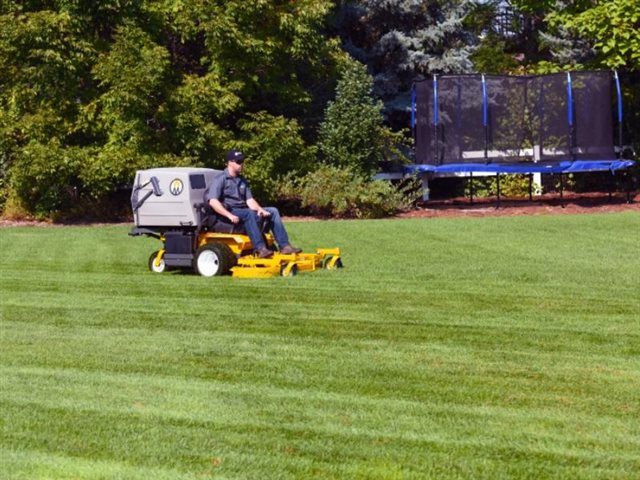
155,266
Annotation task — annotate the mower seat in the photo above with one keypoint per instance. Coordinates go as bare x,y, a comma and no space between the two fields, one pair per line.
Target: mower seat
212,222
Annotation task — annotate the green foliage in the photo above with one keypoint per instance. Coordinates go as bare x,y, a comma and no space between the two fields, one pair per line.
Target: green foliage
44,179
349,134
510,186
130,77
401,40
581,34
352,133
116,85
52,181
43,58
613,28
342,192
189,111
491,56
275,49
91,90
275,148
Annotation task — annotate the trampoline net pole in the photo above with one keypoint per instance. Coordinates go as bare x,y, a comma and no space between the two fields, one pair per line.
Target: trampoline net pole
619,104
572,132
435,121
485,119
413,111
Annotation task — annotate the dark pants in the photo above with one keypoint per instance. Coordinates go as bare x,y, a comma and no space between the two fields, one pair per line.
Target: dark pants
252,221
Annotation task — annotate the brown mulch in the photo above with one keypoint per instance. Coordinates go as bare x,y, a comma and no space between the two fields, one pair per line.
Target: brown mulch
551,204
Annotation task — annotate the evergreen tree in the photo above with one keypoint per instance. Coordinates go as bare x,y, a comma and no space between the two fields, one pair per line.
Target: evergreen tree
350,135
353,133
402,40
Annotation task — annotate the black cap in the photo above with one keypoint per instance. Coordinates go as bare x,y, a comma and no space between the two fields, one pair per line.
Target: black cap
234,156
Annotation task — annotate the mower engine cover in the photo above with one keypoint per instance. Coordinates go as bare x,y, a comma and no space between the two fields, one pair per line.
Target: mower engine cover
167,197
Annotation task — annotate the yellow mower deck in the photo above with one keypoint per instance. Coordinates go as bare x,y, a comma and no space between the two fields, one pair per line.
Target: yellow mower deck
286,265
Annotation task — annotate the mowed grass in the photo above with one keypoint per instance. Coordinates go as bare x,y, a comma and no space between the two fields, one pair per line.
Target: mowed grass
503,347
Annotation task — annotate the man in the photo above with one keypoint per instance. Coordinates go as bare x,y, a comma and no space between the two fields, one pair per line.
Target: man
230,197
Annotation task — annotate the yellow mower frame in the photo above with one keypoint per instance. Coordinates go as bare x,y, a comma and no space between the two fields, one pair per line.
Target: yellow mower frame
221,253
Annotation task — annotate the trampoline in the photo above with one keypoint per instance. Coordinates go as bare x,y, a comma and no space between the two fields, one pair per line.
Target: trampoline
540,124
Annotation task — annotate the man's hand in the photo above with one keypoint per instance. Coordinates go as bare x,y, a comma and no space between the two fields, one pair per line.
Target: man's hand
234,219
264,213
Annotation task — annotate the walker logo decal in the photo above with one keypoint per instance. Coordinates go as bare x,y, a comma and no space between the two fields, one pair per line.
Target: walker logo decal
176,187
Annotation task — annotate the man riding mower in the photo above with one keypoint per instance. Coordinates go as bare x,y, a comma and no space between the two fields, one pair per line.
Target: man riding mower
169,204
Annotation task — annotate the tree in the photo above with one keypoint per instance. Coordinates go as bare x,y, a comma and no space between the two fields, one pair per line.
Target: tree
401,40
612,27
579,34
91,91
491,21
353,134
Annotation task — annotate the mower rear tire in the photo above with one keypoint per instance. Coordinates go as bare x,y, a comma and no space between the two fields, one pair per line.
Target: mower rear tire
213,259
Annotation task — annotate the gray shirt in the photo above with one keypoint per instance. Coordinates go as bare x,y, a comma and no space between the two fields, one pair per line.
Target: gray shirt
233,192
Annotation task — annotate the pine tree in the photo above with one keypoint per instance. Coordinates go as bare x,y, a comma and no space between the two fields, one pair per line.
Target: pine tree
350,134
402,40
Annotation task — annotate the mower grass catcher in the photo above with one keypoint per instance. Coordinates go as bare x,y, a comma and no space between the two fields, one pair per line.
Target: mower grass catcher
168,204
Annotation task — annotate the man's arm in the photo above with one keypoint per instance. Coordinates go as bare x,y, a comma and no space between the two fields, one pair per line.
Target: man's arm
218,207
254,205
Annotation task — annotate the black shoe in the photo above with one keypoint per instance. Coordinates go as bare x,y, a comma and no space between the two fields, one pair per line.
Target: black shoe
264,253
288,249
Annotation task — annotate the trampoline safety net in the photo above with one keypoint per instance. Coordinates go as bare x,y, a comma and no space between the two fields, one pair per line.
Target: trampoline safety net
508,120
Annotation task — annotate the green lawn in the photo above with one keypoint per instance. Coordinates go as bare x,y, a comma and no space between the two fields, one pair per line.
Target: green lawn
503,347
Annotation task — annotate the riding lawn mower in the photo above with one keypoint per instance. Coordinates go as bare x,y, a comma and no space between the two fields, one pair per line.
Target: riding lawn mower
168,204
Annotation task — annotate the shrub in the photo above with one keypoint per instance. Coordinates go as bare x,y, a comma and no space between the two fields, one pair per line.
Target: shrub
274,147
51,181
43,179
341,192
511,185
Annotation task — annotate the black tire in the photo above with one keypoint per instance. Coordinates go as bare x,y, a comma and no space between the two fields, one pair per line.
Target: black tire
232,260
289,272
326,263
213,259
156,268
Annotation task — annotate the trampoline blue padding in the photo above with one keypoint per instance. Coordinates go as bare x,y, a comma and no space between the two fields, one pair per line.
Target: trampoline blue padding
529,167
